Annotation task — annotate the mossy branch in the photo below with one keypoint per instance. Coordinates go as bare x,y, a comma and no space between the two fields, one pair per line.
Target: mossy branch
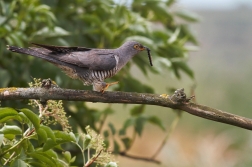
125,97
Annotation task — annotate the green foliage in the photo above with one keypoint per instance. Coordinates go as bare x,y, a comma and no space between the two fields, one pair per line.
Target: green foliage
40,145
95,24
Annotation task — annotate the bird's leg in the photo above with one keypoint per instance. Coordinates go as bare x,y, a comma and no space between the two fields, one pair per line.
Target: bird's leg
108,85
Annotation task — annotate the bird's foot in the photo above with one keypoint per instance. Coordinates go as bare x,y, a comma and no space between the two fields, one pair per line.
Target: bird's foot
108,85
102,86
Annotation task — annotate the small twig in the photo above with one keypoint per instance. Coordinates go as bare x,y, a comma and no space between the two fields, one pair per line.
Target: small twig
12,155
40,108
31,132
103,121
93,159
88,152
139,158
82,150
192,92
171,129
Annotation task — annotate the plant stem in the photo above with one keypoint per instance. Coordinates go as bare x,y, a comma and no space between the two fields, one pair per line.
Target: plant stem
171,129
82,152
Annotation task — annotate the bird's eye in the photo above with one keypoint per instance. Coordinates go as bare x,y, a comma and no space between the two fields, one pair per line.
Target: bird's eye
136,46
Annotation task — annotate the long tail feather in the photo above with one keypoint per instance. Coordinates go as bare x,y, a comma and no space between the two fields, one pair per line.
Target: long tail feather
32,52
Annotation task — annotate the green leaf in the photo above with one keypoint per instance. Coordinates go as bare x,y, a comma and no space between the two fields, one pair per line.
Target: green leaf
2,20
108,111
137,110
47,32
170,2
106,134
122,132
60,135
49,144
42,136
140,121
25,119
43,158
86,141
16,39
112,128
161,64
32,117
129,122
49,132
1,139
77,137
183,66
28,147
22,154
174,36
156,121
127,142
67,156
106,143
116,147
91,19
18,163
10,129
188,16
73,159
36,163
51,153
7,113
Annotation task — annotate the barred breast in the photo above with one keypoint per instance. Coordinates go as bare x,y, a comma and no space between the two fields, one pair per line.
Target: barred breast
94,75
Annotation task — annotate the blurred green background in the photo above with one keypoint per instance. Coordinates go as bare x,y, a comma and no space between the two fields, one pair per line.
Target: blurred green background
221,66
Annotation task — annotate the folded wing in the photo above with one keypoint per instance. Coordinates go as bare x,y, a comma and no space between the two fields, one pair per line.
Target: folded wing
93,59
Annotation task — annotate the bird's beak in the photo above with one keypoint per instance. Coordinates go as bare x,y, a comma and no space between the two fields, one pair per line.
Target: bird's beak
149,55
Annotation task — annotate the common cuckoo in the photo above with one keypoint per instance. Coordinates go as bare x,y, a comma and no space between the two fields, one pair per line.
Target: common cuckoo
90,65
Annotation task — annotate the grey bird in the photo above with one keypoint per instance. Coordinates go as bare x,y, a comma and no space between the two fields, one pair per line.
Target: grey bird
89,65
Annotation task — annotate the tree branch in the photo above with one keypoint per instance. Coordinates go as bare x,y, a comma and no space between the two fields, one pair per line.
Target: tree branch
124,97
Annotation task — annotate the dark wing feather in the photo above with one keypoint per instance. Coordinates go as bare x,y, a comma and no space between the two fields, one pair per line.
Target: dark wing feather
94,59
62,49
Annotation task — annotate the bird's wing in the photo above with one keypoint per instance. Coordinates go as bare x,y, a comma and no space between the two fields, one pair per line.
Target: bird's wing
94,59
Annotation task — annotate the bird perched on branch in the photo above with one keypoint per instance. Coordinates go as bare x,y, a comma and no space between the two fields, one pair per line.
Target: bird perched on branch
89,65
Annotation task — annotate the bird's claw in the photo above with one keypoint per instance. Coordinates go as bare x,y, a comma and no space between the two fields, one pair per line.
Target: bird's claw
108,85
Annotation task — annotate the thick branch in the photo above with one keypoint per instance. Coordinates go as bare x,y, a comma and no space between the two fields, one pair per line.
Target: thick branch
124,97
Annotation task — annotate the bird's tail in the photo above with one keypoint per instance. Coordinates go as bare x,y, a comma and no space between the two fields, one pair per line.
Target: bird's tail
32,52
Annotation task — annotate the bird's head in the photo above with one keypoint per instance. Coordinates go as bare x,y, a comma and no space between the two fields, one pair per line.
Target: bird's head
133,47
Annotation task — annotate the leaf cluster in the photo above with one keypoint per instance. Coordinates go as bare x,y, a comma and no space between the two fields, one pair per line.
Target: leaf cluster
28,142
